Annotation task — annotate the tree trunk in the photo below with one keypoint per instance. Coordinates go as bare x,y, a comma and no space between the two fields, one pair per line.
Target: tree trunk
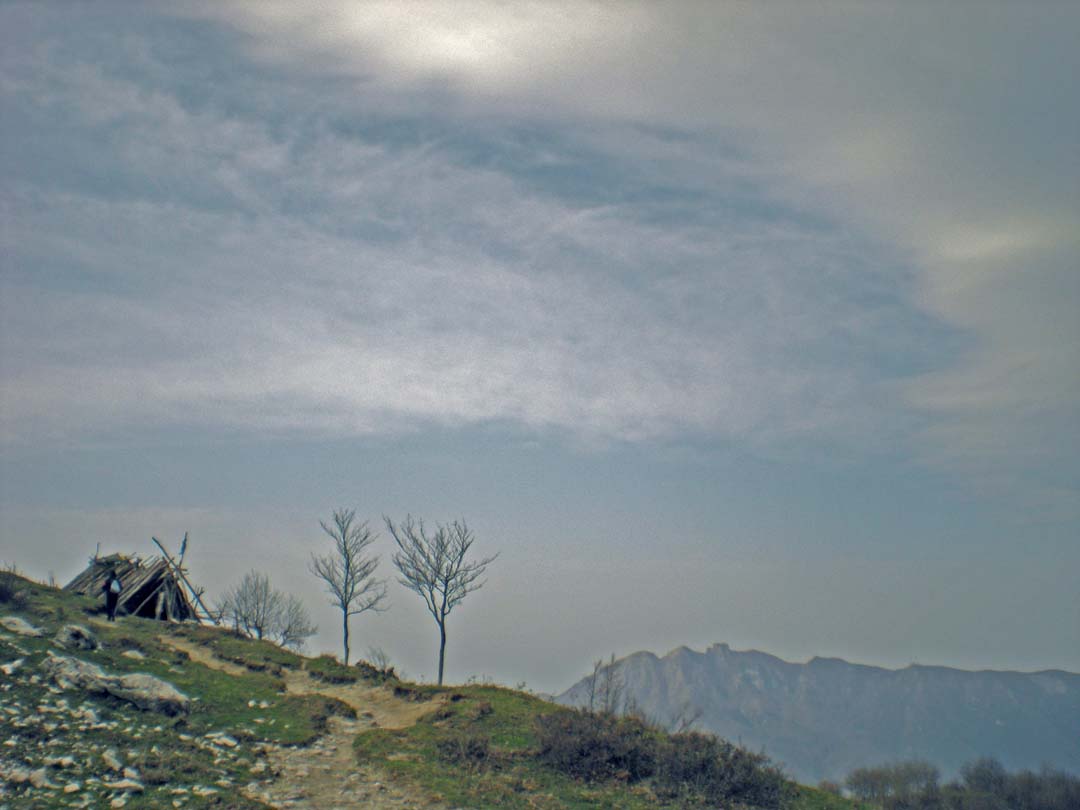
442,647
345,634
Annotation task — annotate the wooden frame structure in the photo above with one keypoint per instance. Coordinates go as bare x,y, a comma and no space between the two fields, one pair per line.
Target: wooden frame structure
155,587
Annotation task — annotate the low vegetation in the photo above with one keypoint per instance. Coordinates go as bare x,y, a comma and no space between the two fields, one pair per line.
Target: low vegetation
984,784
511,750
477,746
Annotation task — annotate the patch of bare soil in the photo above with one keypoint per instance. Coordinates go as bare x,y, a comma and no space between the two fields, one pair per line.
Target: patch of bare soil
376,703
325,775
202,655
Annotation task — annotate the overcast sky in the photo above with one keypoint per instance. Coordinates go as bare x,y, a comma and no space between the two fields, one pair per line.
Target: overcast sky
748,322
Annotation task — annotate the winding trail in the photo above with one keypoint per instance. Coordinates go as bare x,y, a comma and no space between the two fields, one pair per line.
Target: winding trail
325,774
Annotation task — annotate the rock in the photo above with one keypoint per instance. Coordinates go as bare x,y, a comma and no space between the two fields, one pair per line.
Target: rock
131,773
145,691
72,787
75,637
222,739
15,774
19,626
112,760
125,784
138,656
9,669
152,694
40,779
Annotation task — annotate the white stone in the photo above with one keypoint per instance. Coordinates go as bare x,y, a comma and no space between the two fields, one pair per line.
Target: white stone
145,691
112,759
125,784
40,779
19,626
76,637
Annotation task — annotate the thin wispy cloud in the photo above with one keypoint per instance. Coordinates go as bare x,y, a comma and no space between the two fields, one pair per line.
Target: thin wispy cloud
947,133
308,276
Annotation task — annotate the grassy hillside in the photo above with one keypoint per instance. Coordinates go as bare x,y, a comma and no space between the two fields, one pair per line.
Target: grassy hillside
248,727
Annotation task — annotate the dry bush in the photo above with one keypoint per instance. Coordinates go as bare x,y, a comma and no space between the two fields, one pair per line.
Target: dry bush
698,767
12,592
721,772
592,746
469,749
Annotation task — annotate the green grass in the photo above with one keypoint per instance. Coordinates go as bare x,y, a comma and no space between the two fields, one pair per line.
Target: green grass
477,749
167,752
810,798
510,777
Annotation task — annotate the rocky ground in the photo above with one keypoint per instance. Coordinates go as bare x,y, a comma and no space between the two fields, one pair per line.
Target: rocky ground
74,733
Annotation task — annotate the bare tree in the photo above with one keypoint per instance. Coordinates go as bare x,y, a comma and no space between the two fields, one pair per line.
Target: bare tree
605,688
253,605
258,610
435,567
349,574
294,625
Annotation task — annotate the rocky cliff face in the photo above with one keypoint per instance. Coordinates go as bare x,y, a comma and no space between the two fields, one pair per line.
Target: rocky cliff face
826,717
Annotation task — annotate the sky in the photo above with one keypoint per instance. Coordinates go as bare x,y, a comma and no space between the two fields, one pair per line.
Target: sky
718,322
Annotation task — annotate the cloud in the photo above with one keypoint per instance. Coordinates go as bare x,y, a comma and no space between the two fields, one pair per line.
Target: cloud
326,272
747,221
948,133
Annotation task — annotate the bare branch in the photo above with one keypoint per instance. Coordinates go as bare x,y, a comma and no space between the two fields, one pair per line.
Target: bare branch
436,567
349,575
259,611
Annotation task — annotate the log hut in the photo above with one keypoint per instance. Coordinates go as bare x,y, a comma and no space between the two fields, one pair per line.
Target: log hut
150,587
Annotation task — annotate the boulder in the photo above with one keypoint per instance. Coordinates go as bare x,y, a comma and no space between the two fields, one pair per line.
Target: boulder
145,691
18,626
75,637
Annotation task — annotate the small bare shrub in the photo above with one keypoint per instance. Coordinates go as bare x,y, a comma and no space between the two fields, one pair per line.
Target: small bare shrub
468,749
376,665
482,710
12,593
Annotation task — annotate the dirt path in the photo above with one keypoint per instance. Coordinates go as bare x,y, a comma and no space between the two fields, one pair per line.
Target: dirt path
325,774
375,703
201,655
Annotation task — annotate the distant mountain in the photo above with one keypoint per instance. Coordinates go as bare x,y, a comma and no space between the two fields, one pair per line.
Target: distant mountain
826,717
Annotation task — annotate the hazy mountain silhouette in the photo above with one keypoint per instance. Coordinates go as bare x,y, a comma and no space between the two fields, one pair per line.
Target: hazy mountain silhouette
823,718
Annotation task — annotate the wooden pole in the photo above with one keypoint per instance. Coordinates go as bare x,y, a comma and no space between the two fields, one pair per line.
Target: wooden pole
172,564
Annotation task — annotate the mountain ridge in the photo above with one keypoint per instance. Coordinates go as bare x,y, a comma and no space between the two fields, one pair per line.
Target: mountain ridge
827,716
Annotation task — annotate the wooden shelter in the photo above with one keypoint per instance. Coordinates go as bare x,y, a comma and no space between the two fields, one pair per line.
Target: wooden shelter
154,587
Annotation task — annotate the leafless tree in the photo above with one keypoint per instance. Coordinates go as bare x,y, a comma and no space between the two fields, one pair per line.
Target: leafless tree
436,567
252,605
605,688
258,610
349,574
294,626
